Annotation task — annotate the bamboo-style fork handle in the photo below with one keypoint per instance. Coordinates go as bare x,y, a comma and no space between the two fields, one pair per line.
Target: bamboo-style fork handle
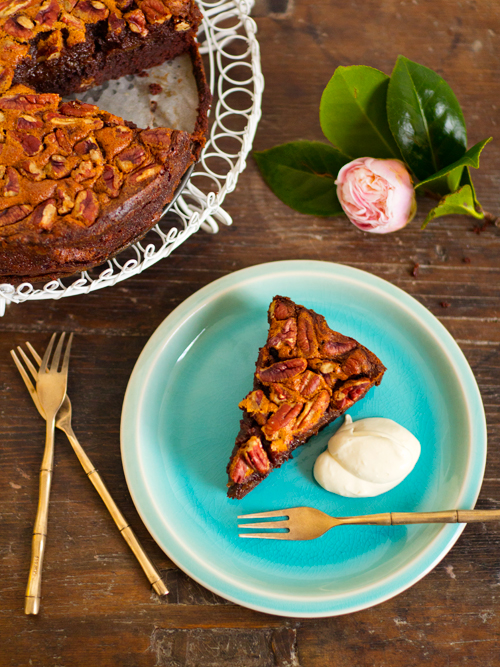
129,536
408,518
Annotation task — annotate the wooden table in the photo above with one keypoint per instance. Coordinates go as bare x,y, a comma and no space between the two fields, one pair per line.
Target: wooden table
97,608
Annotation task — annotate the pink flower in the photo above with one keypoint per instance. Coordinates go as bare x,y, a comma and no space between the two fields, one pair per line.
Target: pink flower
376,195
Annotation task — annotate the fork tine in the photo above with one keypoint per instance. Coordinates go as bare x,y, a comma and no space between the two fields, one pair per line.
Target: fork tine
265,524
35,354
46,356
28,363
57,354
267,536
264,515
65,363
28,383
23,373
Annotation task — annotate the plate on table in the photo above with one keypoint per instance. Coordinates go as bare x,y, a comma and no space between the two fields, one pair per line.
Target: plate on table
180,418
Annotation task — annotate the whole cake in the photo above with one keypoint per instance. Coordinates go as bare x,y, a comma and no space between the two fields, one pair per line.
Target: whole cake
306,376
78,184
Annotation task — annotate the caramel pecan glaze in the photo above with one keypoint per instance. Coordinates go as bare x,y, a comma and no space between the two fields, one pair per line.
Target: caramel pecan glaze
307,375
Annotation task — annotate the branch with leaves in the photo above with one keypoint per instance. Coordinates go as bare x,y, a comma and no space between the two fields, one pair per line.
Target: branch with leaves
412,117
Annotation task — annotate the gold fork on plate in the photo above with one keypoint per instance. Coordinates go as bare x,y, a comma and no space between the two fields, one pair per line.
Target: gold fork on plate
50,389
308,523
63,422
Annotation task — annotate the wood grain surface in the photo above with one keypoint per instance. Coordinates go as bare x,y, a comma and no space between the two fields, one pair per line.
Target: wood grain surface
97,608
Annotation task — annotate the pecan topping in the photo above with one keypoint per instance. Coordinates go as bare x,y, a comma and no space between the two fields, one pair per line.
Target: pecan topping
32,170
91,11
255,456
258,405
27,122
115,23
31,144
57,167
281,309
285,416
282,370
155,11
44,215
29,102
239,470
9,8
86,207
48,14
11,188
182,26
286,334
312,412
130,158
14,214
114,139
20,27
145,173
110,181
351,391
137,22
78,109
356,363
306,336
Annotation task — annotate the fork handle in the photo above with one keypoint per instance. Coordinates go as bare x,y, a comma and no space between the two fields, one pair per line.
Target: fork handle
128,534
38,542
408,518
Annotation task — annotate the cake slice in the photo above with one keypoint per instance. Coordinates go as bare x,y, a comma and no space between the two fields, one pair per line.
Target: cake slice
65,46
79,184
307,375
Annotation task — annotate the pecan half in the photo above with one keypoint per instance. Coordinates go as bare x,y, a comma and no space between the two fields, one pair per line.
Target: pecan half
284,417
86,207
47,16
31,170
14,214
9,7
137,22
282,370
29,102
312,412
114,139
155,11
64,201
63,140
351,391
144,174
91,11
281,309
110,181
58,167
78,109
284,333
11,188
20,27
255,455
6,76
45,215
130,158
239,470
306,336
115,24
31,144
356,364
27,122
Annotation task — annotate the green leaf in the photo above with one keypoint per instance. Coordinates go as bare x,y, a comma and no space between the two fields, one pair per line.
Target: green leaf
448,179
353,113
457,203
425,118
302,174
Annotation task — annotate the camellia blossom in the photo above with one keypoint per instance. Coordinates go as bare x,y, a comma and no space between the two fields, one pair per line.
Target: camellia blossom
376,195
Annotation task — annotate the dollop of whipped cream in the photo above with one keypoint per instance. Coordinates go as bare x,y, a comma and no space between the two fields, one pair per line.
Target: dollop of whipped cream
367,457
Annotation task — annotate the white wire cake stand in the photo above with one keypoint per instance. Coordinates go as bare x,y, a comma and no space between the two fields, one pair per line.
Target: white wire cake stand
228,39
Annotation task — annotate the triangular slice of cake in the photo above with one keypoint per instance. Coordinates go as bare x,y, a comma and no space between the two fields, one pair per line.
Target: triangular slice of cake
307,375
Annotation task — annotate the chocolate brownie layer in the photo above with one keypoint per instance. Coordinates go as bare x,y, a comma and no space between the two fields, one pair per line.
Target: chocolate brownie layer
64,46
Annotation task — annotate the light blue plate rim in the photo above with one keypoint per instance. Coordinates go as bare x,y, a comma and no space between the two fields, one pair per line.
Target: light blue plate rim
191,562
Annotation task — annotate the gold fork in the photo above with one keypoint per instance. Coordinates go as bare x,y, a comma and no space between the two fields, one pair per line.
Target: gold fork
51,390
307,523
63,422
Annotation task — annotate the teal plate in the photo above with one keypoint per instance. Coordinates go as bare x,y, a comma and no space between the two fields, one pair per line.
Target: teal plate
180,418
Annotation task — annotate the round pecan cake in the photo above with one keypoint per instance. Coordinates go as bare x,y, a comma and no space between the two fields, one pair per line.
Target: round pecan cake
78,184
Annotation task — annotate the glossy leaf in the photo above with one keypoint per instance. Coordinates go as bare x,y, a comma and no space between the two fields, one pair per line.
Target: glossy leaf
302,174
461,202
448,179
425,118
353,113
